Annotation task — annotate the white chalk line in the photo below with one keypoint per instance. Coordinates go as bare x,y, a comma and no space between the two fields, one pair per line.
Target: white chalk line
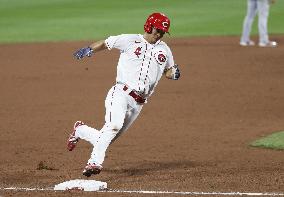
157,192
199,193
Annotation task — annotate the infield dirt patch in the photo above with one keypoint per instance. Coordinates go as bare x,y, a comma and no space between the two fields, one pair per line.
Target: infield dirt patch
193,134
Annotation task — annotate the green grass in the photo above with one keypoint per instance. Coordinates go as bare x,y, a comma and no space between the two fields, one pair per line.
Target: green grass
58,20
274,141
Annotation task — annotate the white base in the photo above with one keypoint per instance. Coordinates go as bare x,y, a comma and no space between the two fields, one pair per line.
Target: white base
79,184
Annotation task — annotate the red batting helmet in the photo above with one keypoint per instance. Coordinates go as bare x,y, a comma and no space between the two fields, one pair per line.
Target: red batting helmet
157,20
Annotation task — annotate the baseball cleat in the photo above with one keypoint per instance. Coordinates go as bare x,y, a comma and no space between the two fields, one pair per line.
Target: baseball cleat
72,140
248,43
268,44
92,168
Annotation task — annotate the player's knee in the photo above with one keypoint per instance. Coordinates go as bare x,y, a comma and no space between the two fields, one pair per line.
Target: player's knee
116,126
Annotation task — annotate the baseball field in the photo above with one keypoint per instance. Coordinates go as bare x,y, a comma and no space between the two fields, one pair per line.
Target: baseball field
194,137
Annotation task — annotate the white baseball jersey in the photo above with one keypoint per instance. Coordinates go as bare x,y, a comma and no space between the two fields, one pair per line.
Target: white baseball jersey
141,64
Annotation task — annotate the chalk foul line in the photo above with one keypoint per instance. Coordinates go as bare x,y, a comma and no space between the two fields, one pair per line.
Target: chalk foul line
157,192
198,193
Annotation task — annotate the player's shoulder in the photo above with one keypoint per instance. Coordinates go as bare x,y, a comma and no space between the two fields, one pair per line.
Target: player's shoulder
129,36
164,45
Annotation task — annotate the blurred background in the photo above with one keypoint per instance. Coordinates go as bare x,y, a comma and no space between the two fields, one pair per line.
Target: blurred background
69,20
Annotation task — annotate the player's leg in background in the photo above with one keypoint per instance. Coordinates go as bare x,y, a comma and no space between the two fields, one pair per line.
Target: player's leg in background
87,133
251,12
263,12
116,107
131,116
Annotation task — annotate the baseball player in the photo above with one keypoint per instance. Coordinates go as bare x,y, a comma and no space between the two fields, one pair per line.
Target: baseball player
142,62
262,8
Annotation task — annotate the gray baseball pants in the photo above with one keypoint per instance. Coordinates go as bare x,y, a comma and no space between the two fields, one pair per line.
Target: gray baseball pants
262,8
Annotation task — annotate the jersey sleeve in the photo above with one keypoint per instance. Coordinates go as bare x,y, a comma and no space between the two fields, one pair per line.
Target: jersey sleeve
118,42
170,63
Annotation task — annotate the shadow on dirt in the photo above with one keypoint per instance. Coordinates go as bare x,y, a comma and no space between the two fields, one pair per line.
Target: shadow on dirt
148,167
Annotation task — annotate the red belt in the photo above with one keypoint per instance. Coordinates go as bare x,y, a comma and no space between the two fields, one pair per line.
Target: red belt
136,96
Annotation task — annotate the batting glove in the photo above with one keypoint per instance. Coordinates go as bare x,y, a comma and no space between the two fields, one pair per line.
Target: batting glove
176,72
88,51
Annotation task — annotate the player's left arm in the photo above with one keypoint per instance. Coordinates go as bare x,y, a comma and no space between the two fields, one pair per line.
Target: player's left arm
171,70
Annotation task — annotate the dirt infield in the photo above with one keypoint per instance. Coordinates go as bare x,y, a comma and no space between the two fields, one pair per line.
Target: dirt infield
193,135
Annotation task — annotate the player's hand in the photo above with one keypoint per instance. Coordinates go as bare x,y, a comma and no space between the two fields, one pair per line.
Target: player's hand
88,51
175,72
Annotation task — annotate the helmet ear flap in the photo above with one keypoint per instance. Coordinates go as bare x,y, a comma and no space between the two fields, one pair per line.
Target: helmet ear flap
148,28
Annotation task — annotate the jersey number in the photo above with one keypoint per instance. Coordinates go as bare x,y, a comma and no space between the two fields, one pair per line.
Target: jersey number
137,52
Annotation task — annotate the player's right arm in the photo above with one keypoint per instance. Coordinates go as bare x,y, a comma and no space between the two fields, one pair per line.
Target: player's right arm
98,46
93,48
119,42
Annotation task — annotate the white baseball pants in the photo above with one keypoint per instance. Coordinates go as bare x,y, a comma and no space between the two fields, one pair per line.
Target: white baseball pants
121,111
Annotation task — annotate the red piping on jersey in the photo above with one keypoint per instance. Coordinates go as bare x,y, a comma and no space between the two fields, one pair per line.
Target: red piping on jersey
147,71
142,64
